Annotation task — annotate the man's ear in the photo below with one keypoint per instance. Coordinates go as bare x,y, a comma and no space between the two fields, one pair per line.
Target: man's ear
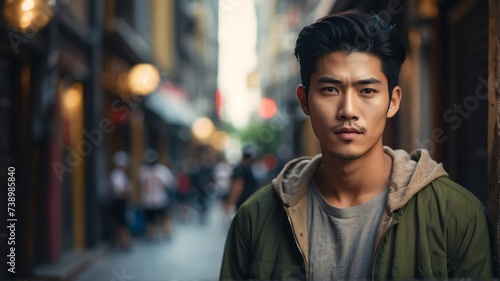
396,96
302,97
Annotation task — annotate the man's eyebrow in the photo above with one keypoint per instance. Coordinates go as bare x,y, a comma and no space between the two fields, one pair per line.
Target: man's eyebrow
366,81
328,80
331,80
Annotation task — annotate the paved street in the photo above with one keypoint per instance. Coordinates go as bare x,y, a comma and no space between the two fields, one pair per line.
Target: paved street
193,253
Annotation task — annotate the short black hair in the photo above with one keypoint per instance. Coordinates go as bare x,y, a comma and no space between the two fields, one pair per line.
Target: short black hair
350,31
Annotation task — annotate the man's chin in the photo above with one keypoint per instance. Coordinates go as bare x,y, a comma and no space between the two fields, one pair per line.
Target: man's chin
346,155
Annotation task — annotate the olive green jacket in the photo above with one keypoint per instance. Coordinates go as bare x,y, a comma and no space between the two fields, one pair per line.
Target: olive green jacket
431,227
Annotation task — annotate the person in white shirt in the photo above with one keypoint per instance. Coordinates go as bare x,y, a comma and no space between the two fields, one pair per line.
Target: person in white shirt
154,179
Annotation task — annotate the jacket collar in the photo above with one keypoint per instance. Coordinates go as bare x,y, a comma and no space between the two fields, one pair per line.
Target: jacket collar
410,173
292,182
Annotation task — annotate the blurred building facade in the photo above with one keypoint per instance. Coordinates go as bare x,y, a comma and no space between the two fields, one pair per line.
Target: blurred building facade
67,108
189,71
52,61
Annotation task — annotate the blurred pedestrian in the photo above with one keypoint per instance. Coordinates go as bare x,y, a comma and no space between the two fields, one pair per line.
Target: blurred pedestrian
243,181
184,185
154,180
260,171
120,192
222,177
203,186
359,210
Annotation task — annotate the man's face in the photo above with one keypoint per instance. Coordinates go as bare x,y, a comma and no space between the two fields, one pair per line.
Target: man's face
348,103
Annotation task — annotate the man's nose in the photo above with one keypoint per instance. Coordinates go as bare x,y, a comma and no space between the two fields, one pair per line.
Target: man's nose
348,107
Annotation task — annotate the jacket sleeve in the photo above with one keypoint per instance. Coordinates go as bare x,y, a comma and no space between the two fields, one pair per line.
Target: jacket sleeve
237,256
473,257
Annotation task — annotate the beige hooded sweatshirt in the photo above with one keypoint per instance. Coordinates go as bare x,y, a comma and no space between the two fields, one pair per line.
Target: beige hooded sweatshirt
410,173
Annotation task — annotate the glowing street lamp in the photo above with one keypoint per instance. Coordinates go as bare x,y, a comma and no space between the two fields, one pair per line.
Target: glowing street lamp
28,15
218,140
143,79
202,129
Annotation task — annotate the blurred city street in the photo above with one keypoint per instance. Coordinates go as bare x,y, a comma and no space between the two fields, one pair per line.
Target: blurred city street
194,252
107,105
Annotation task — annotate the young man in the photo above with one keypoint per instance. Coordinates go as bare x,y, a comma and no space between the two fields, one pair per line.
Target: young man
359,210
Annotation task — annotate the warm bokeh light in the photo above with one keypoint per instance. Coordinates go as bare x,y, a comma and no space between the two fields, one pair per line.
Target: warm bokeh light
203,129
267,108
27,5
72,98
26,19
28,15
143,79
218,140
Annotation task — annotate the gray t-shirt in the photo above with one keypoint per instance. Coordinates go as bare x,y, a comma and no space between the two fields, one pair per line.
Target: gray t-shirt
341,240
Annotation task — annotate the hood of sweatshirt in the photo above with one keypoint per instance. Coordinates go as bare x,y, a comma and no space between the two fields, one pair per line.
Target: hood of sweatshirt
410,173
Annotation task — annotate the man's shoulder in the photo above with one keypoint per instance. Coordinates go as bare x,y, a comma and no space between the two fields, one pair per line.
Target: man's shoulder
262,212
455,189
446,190
262,199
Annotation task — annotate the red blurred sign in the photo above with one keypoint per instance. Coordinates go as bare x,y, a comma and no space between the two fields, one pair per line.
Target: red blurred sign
267,108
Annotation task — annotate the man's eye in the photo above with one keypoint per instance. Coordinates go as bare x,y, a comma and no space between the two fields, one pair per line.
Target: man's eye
330,89
368,91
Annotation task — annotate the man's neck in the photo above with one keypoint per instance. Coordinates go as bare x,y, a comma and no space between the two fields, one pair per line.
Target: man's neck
347,183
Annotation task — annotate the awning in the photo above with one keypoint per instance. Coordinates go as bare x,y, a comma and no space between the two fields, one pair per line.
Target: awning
170,103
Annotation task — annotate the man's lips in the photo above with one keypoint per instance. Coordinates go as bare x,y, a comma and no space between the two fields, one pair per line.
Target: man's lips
348,133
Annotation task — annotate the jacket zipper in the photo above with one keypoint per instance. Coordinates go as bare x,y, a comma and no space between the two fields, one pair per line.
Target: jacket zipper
389,222
297,242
